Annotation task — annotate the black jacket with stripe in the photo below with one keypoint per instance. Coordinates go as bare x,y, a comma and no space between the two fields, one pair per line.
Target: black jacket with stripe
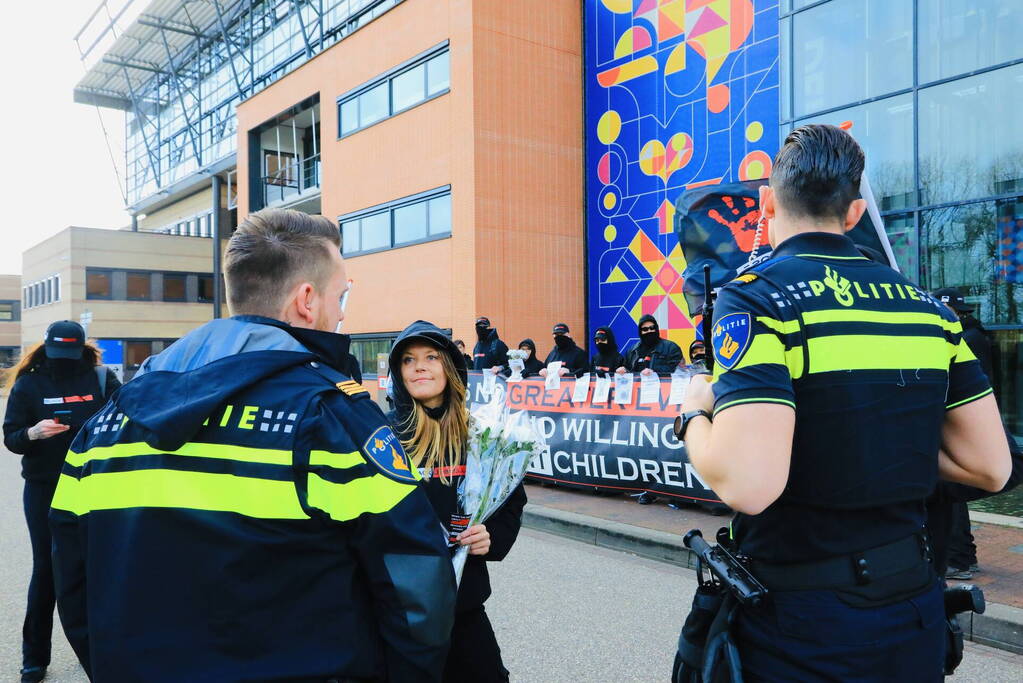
240,512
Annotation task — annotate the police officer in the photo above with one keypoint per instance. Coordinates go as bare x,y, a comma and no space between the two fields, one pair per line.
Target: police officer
241,510
490,353
841,393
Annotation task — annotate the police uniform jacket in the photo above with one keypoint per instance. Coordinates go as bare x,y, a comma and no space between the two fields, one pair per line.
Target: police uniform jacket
241,512
506,521
870,363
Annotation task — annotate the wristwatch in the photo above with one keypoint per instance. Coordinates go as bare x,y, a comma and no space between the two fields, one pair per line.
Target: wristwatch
683,420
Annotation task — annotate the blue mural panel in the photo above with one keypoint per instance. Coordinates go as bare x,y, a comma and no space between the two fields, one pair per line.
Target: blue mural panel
679,94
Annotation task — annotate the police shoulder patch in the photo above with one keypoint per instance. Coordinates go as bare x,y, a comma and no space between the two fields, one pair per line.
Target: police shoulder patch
352,388
746,278
384,450
732,335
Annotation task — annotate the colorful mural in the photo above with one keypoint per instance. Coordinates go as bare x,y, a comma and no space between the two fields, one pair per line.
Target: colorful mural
679,94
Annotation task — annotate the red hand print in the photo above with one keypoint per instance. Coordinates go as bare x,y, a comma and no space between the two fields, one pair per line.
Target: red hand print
743,225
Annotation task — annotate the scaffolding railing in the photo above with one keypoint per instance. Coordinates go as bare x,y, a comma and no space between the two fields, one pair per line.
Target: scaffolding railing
291,179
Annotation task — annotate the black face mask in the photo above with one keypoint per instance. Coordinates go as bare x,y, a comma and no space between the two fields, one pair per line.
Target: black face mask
64,367
563,341
482,332
602,346
650,338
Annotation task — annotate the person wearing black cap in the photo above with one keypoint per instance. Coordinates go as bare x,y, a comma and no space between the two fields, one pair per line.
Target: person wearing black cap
574,360
698,355
432,421
652,352
608,358
58,385
961,550
490,353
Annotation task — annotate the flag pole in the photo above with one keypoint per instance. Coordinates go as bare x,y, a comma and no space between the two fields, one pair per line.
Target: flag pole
875,215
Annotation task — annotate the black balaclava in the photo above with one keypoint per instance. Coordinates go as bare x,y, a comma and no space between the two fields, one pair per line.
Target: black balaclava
651,339
532,348
64,367
561,338
607,350
697,351
482,328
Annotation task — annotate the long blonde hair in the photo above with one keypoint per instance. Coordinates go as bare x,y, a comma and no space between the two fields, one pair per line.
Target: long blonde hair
35,356
439,443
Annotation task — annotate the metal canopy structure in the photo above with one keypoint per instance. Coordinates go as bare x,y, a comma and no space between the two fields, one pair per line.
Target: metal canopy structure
178,68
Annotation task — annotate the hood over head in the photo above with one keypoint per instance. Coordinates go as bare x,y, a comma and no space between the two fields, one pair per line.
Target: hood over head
175,391
609,335
424,331
532,347
651,339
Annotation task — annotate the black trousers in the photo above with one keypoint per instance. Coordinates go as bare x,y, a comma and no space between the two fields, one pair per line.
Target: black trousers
475,656
35,634
962,551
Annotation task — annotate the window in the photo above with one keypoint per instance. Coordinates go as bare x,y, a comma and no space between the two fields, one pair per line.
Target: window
137,351
138,287
849,50
970,146
56,287
7,310
49,290
205,288
399,223
365,350
959,36
97,284
173,287
403,88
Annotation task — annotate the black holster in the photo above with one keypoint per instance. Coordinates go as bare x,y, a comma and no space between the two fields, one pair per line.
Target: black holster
705,643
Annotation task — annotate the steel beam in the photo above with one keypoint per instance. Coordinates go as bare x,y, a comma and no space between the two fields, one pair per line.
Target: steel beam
154,160
179,88
231,53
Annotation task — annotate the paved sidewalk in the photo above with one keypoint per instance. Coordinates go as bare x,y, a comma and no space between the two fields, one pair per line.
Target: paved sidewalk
655,531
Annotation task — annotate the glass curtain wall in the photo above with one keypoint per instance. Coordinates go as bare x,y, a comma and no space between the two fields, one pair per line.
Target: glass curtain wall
188,121
933,89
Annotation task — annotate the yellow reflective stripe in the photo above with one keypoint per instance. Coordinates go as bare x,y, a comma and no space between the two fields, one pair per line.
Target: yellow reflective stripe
830,256
877,352
885,317
66,496
265,456
786,327
339,461
343,502
970,399
963,353
754,400
262,498
767,348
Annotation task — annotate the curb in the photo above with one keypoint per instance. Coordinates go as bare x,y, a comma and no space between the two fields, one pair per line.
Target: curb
1001,626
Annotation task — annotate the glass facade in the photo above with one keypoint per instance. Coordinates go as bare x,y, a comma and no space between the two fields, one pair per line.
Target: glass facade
193,122
404,222
933,89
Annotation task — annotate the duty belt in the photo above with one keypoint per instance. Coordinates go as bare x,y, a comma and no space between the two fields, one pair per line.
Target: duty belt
846,571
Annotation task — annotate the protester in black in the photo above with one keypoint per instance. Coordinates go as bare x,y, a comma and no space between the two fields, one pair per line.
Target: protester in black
608,358
961,548
57,387
461,349
432,422
533,366
698,355
490,353
574,360
652,352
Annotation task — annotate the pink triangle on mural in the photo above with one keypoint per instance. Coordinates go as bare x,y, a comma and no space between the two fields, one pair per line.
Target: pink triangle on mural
708,21
676,318
646,6
692,5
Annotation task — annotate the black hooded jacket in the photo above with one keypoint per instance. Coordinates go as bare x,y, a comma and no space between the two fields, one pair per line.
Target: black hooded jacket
504,524
663,357
572,357
488,352
533,366
38,395
976,337
609,359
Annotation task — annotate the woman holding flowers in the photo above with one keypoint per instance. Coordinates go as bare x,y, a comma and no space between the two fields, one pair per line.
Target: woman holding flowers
431,417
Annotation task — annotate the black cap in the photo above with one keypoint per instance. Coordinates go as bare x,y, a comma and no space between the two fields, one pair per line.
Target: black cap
483,321
601,335
64,339
560,328
954,298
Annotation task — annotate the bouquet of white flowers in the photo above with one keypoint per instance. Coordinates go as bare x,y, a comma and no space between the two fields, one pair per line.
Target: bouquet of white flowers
502,443
517,363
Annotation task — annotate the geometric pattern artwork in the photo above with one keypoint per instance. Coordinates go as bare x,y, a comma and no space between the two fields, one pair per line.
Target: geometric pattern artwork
679,94
1009,252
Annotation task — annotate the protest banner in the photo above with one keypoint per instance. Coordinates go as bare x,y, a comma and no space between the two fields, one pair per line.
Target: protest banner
603,444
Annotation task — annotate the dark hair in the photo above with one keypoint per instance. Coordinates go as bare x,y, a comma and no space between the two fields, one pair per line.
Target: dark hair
459,342
35,358
273,250
816,173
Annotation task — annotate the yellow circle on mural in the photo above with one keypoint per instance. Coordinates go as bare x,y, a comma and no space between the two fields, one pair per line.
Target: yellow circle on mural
754,131
651,158
610,200
610,232
609,126
755,170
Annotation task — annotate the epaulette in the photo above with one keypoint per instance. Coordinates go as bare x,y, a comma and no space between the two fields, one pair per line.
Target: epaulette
352,388
745,278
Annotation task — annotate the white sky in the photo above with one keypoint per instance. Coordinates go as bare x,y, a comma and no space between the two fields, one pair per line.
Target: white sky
56,169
